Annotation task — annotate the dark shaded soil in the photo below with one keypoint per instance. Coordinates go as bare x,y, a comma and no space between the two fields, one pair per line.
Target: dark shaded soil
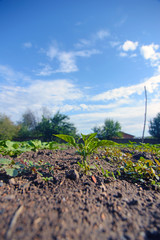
76,206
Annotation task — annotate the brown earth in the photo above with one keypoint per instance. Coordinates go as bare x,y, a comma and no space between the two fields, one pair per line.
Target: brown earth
74,205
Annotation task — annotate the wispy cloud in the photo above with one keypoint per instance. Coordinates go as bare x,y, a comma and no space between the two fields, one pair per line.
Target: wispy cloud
101,34
67,60
52,52
83,43
27,45
11,76
114,43
124,92
123,54
46,70
121,21
91,41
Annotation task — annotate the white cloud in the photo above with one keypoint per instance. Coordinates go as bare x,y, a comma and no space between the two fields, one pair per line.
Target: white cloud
124,92
149,52
7,73
54,91
27,45
68,108
11,76
83,43
14,100
123,54
67,60
86,53
102,34
133,55
99,35
52,52
100,107
45,71
129,46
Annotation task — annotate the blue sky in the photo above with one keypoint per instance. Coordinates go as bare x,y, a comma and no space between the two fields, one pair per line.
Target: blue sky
89,59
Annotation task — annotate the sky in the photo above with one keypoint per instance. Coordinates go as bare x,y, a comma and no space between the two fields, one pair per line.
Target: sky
88,59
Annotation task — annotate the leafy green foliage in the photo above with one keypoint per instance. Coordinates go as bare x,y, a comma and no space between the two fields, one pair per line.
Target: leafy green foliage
154,126
12,148
58,124
87,146
13,168
8,129
109,130
27,126
144,169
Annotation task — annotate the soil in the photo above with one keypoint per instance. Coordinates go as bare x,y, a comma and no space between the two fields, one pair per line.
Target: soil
74,205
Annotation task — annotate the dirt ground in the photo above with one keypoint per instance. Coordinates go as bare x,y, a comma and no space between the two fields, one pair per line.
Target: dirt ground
74,205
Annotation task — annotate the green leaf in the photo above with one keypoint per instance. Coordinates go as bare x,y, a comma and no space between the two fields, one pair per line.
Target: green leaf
67,138
88,138
92,167
11,172
5,161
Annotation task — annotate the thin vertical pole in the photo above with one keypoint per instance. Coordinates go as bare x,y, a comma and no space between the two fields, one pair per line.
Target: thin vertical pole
145,114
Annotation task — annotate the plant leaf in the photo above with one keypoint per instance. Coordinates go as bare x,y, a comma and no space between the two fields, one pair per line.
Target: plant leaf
5,161
88,138
67,138
11,172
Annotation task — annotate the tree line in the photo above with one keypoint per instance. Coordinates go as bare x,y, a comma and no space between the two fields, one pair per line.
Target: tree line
30,128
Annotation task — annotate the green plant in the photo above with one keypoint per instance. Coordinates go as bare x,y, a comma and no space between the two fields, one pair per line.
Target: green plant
59,123
154,126
10,167
13,168
47,179
107,173
86,146
8,130
86,167
142,170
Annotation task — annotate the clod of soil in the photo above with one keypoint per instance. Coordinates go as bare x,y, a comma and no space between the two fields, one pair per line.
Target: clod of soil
74,205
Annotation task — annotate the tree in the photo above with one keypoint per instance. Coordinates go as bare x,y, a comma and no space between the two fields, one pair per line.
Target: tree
8,129
154,126
27,125
109,130
29,120
44,129
58,124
